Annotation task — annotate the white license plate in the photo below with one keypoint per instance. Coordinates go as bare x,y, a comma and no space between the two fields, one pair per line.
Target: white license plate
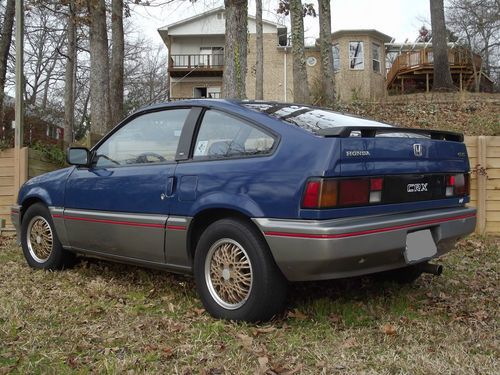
419,246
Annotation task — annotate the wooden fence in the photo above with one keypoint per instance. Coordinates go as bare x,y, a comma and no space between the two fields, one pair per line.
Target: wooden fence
16,166
484,155
7,190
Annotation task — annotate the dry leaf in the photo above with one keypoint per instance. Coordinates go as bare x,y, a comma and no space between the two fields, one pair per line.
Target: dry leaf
263,361
199,311
350,342
334,318
257,331
246,341
294,371
297,315
389,329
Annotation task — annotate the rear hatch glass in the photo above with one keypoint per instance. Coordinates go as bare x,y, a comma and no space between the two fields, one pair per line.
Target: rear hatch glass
310,118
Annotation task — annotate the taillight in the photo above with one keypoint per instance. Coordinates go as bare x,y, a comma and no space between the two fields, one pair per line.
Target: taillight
354,192
311,195
457,185
330,193
320,194
376,185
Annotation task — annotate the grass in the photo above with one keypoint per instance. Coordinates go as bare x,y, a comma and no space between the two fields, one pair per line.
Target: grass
107,318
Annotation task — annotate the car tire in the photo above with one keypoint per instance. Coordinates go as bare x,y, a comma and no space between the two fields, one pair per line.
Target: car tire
405,275
41,246
236,276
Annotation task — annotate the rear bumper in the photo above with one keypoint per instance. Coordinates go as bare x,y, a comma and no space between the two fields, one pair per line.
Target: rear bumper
330,249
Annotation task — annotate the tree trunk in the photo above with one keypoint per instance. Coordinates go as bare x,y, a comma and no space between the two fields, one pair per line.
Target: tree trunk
235,49
5,41
117,57
69,76
259,50
99,69
442,75
325,41
300,82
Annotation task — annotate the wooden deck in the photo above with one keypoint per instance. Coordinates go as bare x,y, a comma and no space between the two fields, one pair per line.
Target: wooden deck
414,70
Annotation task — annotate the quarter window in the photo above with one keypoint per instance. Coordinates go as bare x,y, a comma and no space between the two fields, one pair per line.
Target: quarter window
149,138
336,57
376,57
223,136
356,56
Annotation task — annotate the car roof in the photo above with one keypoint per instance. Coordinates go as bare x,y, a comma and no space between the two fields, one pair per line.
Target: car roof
341,119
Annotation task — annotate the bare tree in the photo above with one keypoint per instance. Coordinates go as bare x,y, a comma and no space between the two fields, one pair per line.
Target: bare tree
117,56
100,116
235,49
476,23
145,75
44,40
70,75
5,42
259,62
325,42
297,12
442,76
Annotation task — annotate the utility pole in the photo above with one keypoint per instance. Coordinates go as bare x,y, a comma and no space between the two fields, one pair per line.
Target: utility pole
18,136
20,154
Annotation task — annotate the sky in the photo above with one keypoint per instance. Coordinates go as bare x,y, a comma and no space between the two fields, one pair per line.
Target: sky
399,19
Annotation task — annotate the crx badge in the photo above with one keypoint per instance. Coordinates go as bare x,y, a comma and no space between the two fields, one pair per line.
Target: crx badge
417,188
418,149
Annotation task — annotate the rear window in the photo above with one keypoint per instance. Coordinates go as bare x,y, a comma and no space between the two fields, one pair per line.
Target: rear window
310,118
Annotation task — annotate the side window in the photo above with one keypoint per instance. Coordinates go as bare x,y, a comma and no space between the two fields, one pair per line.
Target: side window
223,136
149,138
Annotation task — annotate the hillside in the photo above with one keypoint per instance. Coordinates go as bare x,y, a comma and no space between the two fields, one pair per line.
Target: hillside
472,114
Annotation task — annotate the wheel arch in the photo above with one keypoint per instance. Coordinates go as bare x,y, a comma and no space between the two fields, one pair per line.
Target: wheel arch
28,202
204,218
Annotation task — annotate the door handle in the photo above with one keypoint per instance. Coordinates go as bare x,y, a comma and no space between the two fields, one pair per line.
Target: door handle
170,186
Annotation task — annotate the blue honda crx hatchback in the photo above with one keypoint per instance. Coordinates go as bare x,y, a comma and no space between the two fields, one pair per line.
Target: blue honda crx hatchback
250,195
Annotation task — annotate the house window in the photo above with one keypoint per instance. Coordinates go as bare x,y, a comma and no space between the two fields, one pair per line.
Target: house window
376,57
336,57
356,56
52,132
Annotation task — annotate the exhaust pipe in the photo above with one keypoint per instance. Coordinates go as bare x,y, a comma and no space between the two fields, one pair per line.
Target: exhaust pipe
435,269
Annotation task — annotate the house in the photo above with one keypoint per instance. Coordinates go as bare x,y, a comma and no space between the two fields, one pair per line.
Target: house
37,128
196,57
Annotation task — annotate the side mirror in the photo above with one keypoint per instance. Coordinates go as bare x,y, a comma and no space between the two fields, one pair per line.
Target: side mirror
79,156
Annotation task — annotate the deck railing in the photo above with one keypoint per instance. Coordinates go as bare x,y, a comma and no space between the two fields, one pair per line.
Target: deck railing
213,61
424,58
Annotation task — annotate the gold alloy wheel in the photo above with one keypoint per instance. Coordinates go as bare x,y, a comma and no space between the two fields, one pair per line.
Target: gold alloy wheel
228,273
40,239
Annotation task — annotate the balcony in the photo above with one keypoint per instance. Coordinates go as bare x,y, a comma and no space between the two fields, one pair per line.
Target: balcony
414,70
196,65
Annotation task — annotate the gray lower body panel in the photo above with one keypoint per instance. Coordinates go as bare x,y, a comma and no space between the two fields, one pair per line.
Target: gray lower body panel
330,249
156,241
151,240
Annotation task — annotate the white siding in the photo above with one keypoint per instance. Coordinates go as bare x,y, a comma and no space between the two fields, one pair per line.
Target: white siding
212,24
191,44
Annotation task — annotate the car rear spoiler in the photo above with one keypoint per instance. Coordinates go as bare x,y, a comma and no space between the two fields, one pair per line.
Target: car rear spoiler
372,131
